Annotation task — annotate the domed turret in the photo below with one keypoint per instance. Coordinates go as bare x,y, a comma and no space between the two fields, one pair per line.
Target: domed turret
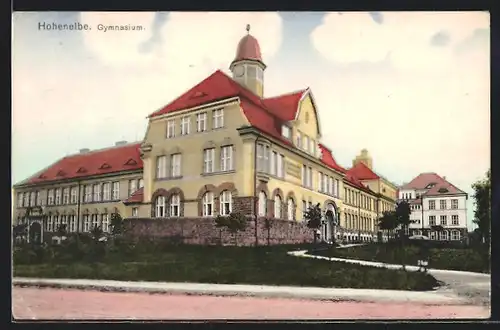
247,66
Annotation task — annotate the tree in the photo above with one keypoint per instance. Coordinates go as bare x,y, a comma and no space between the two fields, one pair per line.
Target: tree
313,217
234,222
402,214
61,230
388,221
116,224
482,210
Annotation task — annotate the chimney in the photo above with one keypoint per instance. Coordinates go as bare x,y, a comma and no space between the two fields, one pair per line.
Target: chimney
120,143
84,150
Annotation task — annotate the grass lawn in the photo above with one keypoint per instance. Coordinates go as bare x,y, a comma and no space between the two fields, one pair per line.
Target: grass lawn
440,258
229,265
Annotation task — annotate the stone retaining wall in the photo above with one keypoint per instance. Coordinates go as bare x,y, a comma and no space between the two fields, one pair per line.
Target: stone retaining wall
204,231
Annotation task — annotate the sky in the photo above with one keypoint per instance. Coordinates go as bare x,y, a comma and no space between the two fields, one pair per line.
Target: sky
411,87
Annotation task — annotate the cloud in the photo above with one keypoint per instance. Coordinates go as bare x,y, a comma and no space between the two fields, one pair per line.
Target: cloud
403,37
74,97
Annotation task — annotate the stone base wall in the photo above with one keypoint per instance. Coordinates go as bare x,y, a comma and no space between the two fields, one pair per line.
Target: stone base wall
203,231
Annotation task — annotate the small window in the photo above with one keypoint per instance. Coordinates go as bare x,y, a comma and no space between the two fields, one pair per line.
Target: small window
286,131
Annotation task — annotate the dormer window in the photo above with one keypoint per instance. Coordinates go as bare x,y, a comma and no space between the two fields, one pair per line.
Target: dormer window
286,131
443,190
430,185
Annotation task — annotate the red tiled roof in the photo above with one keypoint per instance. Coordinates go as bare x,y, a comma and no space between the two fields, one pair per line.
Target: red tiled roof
136,197
285,106
328,159
423,180
104,161
362,172
355,182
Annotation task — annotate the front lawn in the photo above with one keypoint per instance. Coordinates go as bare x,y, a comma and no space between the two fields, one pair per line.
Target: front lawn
439,258
216,264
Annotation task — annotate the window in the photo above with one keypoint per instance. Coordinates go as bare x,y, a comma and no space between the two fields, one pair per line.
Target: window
50,223
320,182
208,204
208,160
175,205
58,196
305,145
309,177
26,199
442,204
331,186
277,206
161,167
71,223
66,196
141,183
97,192
64,222
185,125
86,223
132,186
286,131
443,235
88,194
442,220
304,209
160,207
175,165
116,191
170,129
312,147
299,140
262,204
50,197
304,175
218,118
455,235
432,205
432,220
106,191
337,187
226,203
226,158
95,221
290,209
39,198
19,199
454,204
280,168
274,163
32,198
326,184
263,158
432,235
135,212
73,193
454,220
105,222
201,122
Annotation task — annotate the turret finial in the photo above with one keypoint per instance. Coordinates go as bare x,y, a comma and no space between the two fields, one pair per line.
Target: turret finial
248,28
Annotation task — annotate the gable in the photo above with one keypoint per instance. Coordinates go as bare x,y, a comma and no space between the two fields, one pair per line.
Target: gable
307,116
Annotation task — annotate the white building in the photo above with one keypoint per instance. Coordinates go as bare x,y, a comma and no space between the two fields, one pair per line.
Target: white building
438,207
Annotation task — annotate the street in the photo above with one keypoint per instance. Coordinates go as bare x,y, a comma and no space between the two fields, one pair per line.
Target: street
66,304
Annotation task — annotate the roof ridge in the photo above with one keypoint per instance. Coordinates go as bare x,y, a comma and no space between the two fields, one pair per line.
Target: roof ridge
128,144
287,94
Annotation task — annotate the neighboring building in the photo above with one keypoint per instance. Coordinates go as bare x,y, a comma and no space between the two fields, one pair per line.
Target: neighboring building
218,148
438,207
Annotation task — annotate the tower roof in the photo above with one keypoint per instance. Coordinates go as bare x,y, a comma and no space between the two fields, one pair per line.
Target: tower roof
248,48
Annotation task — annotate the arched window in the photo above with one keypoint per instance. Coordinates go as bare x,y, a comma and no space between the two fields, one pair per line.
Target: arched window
175,205
262,204
443,235
290,209
208,204
455,235
277,207
160,207
226,203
